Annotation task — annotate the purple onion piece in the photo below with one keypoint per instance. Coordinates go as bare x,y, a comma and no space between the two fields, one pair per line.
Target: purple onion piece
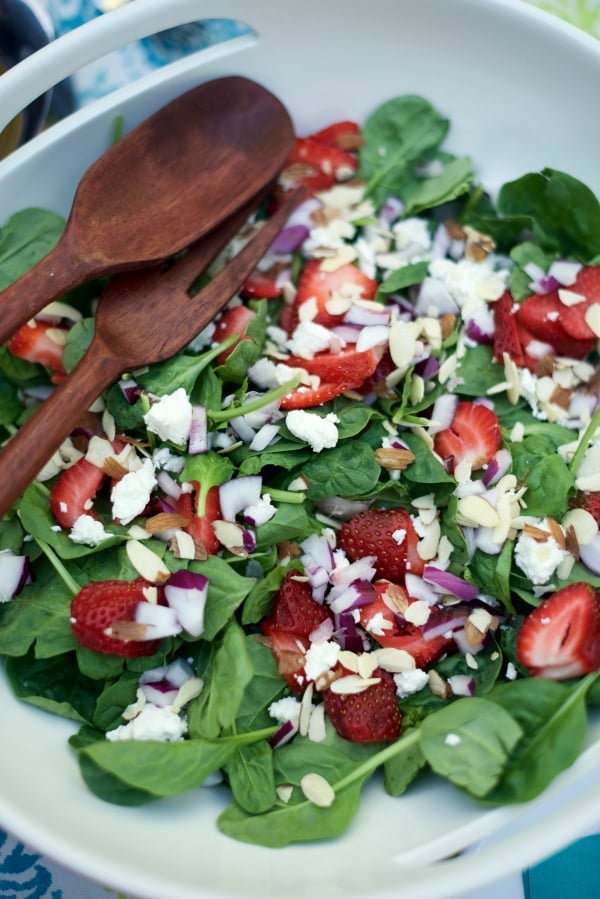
130,390
15,572
283,735
198,439
450,583
289,239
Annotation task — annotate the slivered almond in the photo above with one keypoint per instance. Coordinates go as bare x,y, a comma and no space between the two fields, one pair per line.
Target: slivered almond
147,564
479,245
352,683
561,397
438,686
287,549
447,322
164,521
182,545
454,230
537,534
557,532
367,663
348,660
317,790
127,630
394,459
395,598
571,542
394,660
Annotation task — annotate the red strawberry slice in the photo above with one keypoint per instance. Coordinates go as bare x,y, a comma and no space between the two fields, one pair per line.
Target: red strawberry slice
388,629
200,520
98,607
350,366
263,285
573,320
506,334
387,534
74,492
295,611
318,286
371,716
232,322
473,436
41,342
544,317
308,397
324,157
345,134
560,639
290,654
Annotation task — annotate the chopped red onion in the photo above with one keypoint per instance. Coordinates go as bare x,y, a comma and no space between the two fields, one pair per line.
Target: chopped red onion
356,595
366,315
589,554
237,494
264,437
347,633
289,239
159,693
186,593
462,684
243,430
450,583
429,368
346,333
323,632
130,390
160,621
248,540
15,572
497,467
443,412
302,214
285,733
469,488
440,243
318,552
360,570
390,211
434,296
479,326
444,621
198,440
169,486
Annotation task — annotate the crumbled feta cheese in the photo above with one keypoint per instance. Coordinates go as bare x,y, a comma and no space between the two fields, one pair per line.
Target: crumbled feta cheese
469,283
320,432
152,723
88,530
267,374
166,460
171,417
321,657
538,559
309,338
286,709
511,671
260,512
131,494
411,681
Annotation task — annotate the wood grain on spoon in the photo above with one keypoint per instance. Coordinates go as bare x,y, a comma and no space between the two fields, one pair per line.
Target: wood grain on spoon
169,181
142,317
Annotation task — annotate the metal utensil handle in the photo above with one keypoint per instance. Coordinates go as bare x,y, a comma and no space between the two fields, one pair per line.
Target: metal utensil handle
42,70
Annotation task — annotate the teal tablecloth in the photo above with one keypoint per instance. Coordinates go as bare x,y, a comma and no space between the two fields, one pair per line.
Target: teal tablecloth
573,873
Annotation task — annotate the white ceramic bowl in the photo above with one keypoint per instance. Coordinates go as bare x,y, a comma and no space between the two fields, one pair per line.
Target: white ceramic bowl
520,89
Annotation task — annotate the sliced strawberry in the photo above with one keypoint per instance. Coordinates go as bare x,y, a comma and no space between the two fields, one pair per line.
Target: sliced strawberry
544,317
388,629
573,320
371,716
233,322
201,510
74,492
263,285
307,397
349,366
387,534
41,342
588,501
473,436
290,654
506,334
301,175
318,287
560,639
295,611
345,134
100,607
324,157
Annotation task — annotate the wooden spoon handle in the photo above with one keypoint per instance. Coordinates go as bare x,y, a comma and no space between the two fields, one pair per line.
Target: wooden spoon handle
37,440
53,275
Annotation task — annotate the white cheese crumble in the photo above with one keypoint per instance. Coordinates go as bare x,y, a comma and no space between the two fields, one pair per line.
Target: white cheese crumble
286,709
538,559
320,432
131,494
409,682
320,657
469,283
88,530
166,460
151,723
309,338
171,417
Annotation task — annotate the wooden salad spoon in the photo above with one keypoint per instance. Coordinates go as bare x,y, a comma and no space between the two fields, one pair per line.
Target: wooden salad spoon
142,317
161,187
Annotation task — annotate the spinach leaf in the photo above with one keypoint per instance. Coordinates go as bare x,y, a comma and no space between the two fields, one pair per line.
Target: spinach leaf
348,469
54,685
27,237
470,742
226,592
401,278
250,777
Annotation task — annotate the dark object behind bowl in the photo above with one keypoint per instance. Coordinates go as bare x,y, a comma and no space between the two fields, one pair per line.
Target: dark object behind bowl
25,26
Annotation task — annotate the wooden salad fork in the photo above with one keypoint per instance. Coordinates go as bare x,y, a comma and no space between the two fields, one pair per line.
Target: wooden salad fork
142,317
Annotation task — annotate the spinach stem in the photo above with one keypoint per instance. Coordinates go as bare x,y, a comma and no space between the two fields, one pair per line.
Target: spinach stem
295,497
584,442
58,566
258,403
368,766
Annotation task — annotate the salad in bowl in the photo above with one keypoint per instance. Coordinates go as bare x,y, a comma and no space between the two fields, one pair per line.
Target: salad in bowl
353,528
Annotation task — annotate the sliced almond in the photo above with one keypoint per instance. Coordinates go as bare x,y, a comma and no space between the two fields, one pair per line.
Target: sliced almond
592,318
317,790
165,521
478,511
438,686
183,546
317,730
353,683
556,532
349,660
114,469
127,630
367,663
394,459
447,322
537,534
147,564
394,660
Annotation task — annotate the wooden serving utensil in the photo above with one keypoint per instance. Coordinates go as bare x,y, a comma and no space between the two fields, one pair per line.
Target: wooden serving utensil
164,185
142,317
